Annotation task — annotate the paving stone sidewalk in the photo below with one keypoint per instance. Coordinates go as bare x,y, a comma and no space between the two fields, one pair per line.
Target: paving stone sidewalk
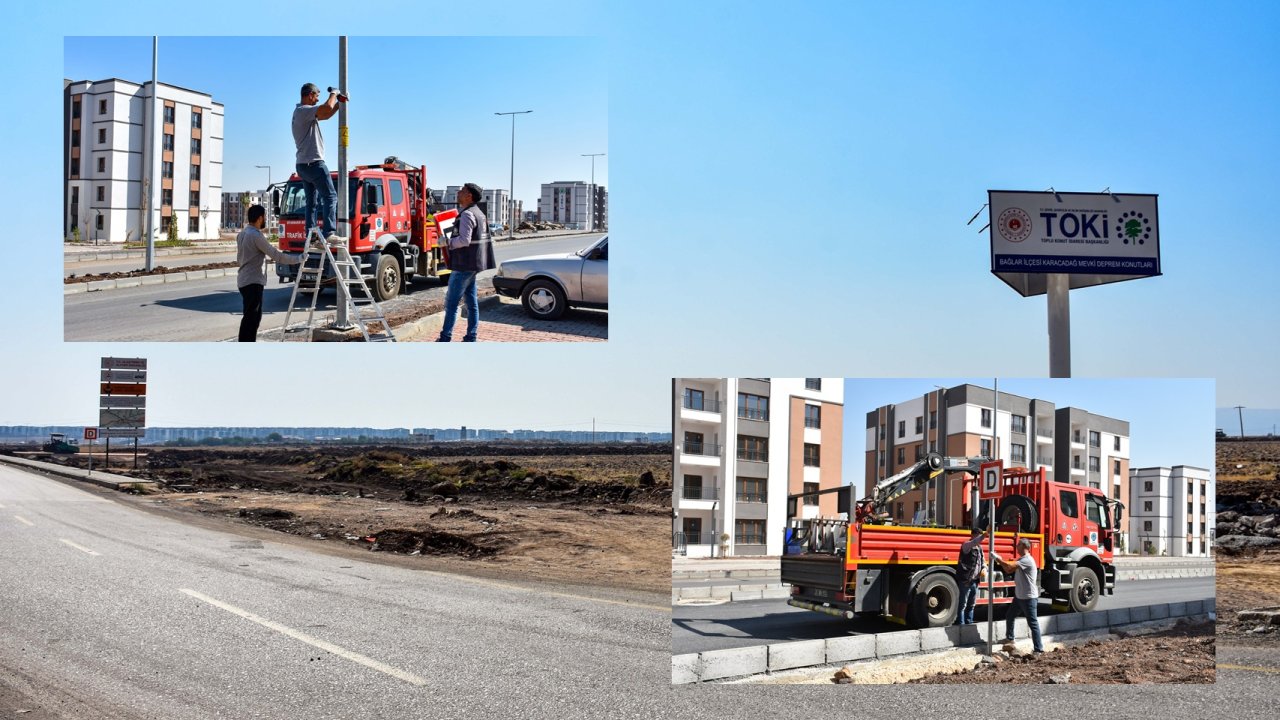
504,320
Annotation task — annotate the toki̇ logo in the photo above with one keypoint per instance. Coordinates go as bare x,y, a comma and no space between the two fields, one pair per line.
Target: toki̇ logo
1134,228
1014,224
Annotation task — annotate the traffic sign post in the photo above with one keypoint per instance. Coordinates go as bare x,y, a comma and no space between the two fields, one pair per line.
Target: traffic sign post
122,401
91,434
990,474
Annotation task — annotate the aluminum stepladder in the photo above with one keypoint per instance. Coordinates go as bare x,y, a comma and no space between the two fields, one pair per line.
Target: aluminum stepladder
362,307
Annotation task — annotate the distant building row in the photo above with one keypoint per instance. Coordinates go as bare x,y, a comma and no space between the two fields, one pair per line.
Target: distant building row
27,433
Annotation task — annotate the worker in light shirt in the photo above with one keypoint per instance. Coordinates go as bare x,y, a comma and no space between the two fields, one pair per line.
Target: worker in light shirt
1026,593
470,253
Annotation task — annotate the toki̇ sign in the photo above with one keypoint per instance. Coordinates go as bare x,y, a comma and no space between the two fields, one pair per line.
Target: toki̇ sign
1095,238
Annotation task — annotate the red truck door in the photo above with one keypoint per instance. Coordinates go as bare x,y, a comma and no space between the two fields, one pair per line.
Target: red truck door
397,207
1068,525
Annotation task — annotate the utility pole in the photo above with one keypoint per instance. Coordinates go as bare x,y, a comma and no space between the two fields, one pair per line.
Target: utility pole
591,199
150,173
1240,412
511,199
268,202
340,319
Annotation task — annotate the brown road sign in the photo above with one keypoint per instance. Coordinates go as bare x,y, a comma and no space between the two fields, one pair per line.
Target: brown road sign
113,388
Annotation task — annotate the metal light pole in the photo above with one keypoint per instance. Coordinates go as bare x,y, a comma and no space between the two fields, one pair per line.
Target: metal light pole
511,200
204,220
991,528
340,319
268,203
591,201
1240,412
150,173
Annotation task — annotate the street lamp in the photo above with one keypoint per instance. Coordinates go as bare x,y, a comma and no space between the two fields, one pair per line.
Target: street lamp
591,200
204,221
268,203
511,200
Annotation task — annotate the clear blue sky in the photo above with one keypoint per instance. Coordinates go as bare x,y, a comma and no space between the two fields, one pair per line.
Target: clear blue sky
439,115
1170,419
790,184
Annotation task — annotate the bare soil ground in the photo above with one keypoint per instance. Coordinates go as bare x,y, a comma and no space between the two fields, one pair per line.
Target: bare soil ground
1181,654
1248,485
586,515
158,270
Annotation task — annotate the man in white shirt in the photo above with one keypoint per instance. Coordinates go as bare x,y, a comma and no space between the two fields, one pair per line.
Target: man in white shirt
1026,593
252,250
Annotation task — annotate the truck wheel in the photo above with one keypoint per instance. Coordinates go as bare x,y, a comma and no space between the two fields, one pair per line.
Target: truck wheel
1084,589
1005,513
543,299
387,278
935,602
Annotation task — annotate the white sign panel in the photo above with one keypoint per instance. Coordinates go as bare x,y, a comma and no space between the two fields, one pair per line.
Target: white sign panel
989,480
121,418
122,401
115,363
1095,238
123,432
124,376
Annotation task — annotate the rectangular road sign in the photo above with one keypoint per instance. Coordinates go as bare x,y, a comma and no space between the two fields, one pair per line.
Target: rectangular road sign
115,363
122,418
122,401
115,388
128,376
989,480
91,433
1095,238
124,432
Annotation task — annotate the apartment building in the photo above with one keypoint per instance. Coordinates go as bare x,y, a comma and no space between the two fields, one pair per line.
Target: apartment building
740,446
1072,445
1156,506
577,205
234,208
107,171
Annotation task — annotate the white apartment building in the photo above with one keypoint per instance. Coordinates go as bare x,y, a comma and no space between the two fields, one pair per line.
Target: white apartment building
573,204
1172,511
741,445
106,174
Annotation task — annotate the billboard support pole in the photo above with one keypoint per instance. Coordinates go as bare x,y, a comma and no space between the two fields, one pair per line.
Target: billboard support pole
1059,289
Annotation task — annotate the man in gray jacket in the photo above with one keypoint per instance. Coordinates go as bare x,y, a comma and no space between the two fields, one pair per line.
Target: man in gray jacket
470,253
252,249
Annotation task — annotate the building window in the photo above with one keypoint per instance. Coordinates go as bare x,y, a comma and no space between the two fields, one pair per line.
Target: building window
75,138
1115,470
752,490
919,452
693,399
813,383
75,109
693,488
753,448
1018,423
986,418
1095,464
166,169
899,515
102,193
1146,526
1189,547
195,146
1117,492
102,135
164,223
933,419
902,428
193,225
881,456
812,416
811,487
881,431
102,107
166,197
168,114
810,455
168,142
195,120
1146,506
195,172
1117,443
195,198
75,167
102,164
749,532
98,221
902,455
753,407
1095,440
1019,452
919,425
693,443
984,447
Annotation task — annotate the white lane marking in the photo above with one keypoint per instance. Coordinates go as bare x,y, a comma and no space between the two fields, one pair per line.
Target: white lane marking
316,642
81,548
24,521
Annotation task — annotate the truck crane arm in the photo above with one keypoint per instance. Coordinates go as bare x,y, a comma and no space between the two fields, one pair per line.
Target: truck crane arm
931,466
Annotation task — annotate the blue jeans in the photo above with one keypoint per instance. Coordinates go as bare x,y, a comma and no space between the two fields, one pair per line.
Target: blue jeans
968,598
462,286
319,188
1027,608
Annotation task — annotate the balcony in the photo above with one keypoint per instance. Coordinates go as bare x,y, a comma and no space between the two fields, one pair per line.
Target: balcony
753,456
701,454
744,497
749,539
1044,460
753,414
698,492
1044,434
679,540
700,410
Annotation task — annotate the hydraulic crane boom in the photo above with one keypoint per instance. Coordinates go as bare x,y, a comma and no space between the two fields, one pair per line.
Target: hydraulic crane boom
930,467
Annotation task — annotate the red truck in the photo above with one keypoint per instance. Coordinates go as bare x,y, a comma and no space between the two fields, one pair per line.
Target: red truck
869,566
394,233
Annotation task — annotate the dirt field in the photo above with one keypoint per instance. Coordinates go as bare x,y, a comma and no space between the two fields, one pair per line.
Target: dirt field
1249,577
551,513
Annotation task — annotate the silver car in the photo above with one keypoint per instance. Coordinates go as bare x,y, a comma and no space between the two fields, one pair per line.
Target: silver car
547,285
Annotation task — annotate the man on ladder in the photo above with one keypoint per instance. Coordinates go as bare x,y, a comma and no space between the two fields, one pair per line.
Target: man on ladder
312,171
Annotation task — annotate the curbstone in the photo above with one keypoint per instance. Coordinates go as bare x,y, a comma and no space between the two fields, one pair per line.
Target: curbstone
1160,612
897,643
1142,613
783,656
737,595
1178,609
128,282
100,285
778,593
723,591
695,592
1095,619
1195,607
73,288
1048,624
1069,622
152,279
176,277
938,637
197,274
1119,616
685,669
853,647
716,664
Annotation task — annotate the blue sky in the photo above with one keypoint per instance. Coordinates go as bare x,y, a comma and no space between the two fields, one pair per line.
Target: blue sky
1170,419
440,116
790,184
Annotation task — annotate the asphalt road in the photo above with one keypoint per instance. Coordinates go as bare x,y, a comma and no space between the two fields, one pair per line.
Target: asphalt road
210,309
113,612
695,628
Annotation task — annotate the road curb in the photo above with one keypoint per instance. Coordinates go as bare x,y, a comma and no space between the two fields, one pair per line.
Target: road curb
756,659
433,322
107,480
119,283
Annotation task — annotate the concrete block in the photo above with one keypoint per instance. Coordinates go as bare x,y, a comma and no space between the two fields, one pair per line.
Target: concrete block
74,288
738,595
685,669
897,643
1118,616
152,279
1177,610
1160,612
733,662
739,574
128,282
175,277
752,587
1095,619
1068,622
690,593
1048,624
1195,607
1141,613
936,638
196,274
722,591
853,647
784,656
776,593
100,285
